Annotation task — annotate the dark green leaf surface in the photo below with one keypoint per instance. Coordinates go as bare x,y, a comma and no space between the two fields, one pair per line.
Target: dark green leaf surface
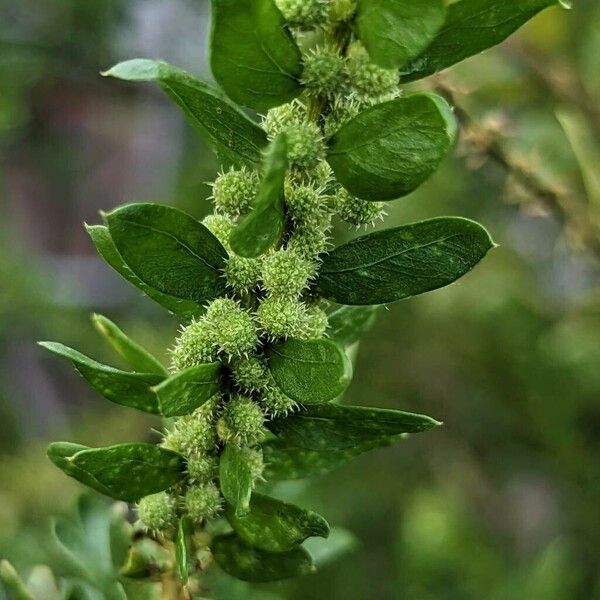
398,263
169,250
347,324
106,248
390,149
184,548
310,371
189,389
333,428
128,389
470,27
394,31
253,57
235,478
236,138
276,526
263,227
241,560
126,472
137,357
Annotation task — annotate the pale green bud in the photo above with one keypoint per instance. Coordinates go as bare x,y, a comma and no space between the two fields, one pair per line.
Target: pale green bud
286,274
342,111
203,502
306,146
314,324
280,317
234,191
341,11
282,117
303,13
221,226
196,432
254,459
242,422
305,204
368,80
249,374
194,346
324,72
356,211
233,328
243,274
275,403
202,467
158,512
309,242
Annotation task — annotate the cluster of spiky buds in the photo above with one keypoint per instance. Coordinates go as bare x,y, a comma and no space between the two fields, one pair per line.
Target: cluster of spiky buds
357,212
242,422
303,13
234,191
368,81
324,71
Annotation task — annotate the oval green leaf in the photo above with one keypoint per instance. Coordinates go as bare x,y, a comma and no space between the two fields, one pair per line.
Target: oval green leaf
169,250
310,371
240,560
127,389
276,526
254,58
184,548
107,250
138,358
470,27
398,263
356,429
390,149
187,390
126,472
347,324
394,31
263,227
237,139
235,478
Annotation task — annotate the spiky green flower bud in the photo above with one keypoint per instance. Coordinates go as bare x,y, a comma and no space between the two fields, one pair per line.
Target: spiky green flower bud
357,211
280,317
203,502
242,422
342,111
305,204
254,459
196,432
319,177
233,328
368,80
303,13
275,403
202,467
314,324
194,346
234,191
282,117
250,374
309,242
286,273
324,72
158,512
306,146
243,274
221,226
341,11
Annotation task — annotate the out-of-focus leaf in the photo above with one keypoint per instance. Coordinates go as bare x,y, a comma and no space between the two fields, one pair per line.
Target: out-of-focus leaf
235,479
347,324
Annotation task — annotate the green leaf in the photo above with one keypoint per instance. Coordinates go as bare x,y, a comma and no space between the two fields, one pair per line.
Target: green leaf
126,472
347,324
237,139
106,248
189,389
137,357
127,389
10,578
390,149
332,428
398,263
184,548
236,479
169,250
241,560
263,227
253,57
470,27
276,526
394,31
284,462
311,371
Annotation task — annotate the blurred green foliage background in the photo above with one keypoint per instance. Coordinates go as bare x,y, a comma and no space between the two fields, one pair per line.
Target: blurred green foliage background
502,502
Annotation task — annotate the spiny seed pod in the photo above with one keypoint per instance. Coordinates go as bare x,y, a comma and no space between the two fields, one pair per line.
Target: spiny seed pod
242,422
249,374
324,72
233,328
194,346
196,432
319,177
306,146
220,226
234,191
280,317
243,274
282,117
158,512
341,11
203,502
309,243
342,111
357,211
305,204
314,324
285,273
368,80
303,13
275,403
202,467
